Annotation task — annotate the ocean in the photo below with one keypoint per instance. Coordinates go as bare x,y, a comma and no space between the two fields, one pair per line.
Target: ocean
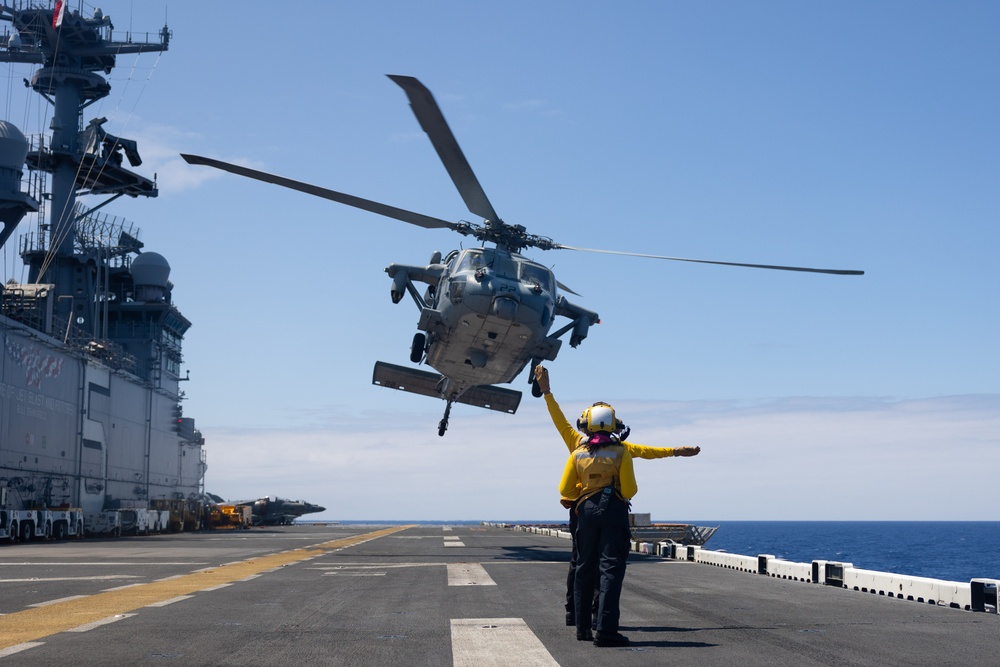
948,550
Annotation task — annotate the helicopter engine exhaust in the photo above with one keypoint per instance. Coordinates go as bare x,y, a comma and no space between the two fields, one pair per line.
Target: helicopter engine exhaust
580,331
399,281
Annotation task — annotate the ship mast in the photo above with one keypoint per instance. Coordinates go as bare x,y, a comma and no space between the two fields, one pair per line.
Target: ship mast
74,56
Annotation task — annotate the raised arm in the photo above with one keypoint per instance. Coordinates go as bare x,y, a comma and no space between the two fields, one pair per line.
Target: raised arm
569,434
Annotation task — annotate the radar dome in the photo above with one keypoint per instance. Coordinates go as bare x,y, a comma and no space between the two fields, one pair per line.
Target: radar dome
150,272
13,147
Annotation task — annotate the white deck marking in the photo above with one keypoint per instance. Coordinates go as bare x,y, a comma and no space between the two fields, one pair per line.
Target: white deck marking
46,604
17,648
497,642
164,603
452,537
96,624
106,577
364,566
111,563
454,544
215,588
118,588
468,574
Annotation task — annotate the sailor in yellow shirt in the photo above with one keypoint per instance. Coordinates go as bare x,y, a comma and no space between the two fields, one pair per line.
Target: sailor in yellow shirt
572,490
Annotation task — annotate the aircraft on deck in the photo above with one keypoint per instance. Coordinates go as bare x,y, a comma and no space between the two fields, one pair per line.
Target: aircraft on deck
274,511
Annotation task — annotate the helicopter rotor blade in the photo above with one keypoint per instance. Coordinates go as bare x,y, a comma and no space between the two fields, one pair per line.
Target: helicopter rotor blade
433,123
417,219
839,272
566,289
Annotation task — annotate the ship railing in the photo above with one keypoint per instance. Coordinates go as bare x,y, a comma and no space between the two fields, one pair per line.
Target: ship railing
27,51
33,182
979,594
108,352
24,304
107,238
975,595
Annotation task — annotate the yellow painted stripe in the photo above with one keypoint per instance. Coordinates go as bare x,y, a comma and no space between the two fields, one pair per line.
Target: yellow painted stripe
33,624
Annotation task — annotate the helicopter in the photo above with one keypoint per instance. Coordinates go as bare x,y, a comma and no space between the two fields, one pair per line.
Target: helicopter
486,312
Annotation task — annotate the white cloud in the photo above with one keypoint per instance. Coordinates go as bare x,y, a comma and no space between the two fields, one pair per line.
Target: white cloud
795,458
161,146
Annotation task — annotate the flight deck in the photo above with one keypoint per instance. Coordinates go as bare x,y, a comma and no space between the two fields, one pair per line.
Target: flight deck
319,594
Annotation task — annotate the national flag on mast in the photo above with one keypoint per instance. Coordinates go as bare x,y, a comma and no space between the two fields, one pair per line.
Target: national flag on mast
58,14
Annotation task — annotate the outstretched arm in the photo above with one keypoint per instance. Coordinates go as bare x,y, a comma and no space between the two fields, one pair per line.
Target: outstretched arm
646,452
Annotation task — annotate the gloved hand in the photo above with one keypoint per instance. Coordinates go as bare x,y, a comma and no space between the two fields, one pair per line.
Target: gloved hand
623,434
686,451
542,378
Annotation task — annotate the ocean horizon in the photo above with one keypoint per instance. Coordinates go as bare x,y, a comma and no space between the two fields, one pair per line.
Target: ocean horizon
947,550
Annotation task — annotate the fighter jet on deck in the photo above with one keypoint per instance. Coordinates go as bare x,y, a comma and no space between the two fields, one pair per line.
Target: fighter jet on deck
274,511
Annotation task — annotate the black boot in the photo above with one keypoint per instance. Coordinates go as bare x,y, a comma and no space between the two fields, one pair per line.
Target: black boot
610,639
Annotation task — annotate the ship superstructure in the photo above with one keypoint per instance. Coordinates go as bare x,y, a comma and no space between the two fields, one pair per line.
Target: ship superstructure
90,342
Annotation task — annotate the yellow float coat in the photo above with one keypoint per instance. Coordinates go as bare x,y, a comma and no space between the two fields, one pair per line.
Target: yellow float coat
574,439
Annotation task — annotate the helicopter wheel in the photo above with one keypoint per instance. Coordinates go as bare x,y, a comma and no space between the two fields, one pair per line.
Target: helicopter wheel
536,391
417,348
443,424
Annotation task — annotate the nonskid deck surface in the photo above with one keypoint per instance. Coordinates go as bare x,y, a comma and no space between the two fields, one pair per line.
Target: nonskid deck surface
431,595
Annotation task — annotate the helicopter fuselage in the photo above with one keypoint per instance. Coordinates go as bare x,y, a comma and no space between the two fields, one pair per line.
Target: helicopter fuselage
486,314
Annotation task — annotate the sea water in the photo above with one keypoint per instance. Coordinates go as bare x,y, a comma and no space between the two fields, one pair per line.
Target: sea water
949,550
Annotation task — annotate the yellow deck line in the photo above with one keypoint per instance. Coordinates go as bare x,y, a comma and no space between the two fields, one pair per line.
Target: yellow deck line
33,624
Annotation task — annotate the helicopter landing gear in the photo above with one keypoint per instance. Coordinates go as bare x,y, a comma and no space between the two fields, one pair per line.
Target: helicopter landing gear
443,424
417,348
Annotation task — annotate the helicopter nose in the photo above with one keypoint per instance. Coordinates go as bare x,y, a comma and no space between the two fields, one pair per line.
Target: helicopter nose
505,308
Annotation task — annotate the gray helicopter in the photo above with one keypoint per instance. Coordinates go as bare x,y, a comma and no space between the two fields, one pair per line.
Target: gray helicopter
486,312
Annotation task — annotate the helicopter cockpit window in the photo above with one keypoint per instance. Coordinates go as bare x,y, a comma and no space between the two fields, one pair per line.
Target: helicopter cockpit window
471,261
536,274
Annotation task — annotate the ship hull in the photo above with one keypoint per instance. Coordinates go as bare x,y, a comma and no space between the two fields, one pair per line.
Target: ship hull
74,432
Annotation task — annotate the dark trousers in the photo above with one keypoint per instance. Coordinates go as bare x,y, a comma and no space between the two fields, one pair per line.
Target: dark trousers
602,539
571,575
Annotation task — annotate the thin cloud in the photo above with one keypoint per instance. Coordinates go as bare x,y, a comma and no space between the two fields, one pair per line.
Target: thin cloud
161,146
795,458
536,106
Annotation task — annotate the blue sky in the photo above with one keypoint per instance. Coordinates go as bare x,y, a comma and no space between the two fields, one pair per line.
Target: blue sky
842,135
